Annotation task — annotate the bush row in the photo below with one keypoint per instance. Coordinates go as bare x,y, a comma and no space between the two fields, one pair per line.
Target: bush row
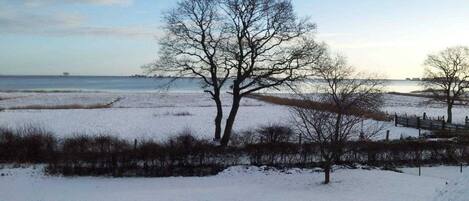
186,155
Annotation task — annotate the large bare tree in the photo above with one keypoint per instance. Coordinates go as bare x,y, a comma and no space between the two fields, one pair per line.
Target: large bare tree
246,45
351,96
447,76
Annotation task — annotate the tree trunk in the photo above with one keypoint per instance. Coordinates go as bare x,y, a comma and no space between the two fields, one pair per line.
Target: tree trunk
336,147
230,120
327,173
218,117
450,113
449,103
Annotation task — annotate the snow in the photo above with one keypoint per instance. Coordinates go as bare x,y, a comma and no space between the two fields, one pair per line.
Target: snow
234,184
136,115
457,182
154,115
135,122
443,172
455,191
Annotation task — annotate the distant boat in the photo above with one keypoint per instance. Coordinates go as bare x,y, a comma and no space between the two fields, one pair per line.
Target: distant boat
138,76
66,74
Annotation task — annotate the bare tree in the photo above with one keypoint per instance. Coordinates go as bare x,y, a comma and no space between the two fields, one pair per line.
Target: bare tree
352,96
269,47
249,45
447,76
192,46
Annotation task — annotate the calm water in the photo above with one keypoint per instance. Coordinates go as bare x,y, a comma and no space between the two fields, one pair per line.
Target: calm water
111,83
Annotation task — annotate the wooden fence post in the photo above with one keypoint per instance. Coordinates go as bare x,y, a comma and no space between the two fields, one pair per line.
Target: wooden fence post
420,168
387,135
418,124
299,140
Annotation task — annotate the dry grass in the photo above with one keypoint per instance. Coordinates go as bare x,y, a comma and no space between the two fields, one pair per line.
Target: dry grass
8,98
65,107
412,94
380,116
60,107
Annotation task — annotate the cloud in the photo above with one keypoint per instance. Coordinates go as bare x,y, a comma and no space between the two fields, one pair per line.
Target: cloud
130,31
18,21
332,35
93,2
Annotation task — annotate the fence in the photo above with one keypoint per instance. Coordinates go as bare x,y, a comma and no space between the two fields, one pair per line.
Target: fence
429,124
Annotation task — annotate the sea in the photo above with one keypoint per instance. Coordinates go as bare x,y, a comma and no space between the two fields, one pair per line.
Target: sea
136,84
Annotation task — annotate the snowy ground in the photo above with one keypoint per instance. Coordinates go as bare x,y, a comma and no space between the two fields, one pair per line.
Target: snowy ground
456,187
157,115
234,184
135,115
456,190
154,115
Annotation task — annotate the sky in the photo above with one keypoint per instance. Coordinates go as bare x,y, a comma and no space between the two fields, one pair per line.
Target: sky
117,37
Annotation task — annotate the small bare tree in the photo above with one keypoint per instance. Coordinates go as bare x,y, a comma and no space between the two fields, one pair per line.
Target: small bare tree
447,76
352,96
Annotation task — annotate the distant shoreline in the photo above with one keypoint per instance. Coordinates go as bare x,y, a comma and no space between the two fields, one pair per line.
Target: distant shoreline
133,76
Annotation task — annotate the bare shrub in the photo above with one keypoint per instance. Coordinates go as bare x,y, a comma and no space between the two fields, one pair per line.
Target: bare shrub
186,155
240,139
274,134
28,144
94,155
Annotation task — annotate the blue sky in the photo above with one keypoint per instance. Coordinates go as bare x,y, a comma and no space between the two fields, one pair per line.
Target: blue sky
116,37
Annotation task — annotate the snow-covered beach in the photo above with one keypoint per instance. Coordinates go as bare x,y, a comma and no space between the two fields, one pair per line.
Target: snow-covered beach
159,115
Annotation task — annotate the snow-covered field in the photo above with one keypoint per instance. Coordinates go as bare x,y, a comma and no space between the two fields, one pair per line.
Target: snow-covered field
158,115
234,184
136,115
